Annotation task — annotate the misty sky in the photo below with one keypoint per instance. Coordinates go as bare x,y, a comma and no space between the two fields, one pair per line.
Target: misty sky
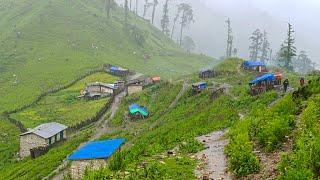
209,29
273,14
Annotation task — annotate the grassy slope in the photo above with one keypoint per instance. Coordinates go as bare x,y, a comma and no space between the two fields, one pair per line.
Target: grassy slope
194,115
64,106
55,46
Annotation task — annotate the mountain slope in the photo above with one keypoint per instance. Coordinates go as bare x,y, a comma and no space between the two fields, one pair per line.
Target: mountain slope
45,44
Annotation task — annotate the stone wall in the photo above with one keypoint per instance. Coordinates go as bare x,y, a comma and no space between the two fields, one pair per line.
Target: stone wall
30,141
78,168
134,89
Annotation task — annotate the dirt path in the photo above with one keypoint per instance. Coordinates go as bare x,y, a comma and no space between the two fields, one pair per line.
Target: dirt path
213,161
102,125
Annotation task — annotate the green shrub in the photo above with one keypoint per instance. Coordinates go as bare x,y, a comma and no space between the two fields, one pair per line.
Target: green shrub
240,150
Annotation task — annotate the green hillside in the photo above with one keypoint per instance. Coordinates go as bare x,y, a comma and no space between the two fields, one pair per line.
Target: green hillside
45,44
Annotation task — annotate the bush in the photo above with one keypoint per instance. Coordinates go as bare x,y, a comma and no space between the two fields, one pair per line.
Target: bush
241,158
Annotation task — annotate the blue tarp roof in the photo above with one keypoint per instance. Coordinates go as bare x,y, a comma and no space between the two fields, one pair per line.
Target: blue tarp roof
135,107
114,68
97,150
266,77
253,63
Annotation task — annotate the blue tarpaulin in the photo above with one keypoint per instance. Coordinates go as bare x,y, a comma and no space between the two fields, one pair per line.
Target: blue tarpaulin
135,108
253,63
266,77
97,150
114,68
200,85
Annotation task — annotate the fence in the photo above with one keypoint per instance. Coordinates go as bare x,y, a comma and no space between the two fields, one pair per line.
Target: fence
97,116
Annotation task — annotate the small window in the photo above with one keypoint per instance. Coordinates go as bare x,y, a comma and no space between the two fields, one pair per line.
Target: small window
50,141
61,135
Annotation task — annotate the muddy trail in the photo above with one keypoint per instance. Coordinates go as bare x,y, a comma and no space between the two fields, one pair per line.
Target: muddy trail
213,161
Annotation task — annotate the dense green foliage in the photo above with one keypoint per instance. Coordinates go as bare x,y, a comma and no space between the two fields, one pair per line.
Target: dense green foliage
304,161
195,115
8,143
64,106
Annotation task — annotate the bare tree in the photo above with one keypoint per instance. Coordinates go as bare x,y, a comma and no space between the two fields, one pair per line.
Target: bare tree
229,39
155,4
165,19
174,23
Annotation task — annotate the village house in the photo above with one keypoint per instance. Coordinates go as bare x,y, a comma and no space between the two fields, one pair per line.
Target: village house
207,74
44,135
93,156
200,86
98,89
134,88
254,66
116,70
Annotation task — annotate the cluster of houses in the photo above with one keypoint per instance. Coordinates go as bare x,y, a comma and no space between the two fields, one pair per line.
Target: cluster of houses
264,82
37,141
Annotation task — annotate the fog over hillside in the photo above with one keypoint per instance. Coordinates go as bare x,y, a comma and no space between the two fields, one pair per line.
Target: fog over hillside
209,29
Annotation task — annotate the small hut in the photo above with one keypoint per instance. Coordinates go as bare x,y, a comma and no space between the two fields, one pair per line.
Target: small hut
93,155
200,86
207,74
118,71
263,84
138,112
37,141
156,79
98,89
134,88
258,66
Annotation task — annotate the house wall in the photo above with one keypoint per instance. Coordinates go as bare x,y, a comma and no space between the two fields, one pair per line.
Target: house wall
134,89
78,168
107,90
53,140
30,141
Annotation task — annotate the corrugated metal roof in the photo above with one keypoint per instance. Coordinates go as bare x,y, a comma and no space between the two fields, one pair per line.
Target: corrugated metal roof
97,150
111,86
47,130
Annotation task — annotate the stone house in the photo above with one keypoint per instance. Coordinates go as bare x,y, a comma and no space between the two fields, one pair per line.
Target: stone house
93,156
44,135
134,88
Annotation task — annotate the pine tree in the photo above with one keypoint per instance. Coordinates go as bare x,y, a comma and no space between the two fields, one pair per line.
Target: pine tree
288,50
265,49
304,63
186,17
256,43
229,39
165,18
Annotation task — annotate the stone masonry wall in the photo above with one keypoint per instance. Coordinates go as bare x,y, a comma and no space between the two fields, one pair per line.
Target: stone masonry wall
30,141
78,168
134,89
